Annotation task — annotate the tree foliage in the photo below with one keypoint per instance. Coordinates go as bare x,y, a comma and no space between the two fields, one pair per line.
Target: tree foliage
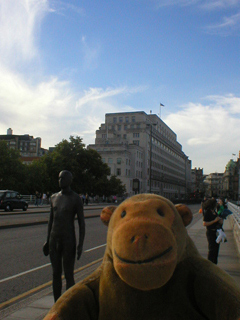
12,170
90,174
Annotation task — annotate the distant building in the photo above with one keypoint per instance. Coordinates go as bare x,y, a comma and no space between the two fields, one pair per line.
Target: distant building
214,185
144,153
29,147
197,180
227,184
231,180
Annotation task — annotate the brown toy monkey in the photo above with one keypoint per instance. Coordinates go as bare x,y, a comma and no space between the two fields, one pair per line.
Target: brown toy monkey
151,270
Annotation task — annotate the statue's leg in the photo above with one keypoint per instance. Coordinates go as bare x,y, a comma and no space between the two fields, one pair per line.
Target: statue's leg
56,261
69,254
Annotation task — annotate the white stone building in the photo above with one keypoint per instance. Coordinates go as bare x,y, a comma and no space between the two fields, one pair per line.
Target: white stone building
135,144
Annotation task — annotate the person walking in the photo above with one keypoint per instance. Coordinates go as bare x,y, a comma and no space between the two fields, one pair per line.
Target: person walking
36,198
86,199
44,196
211,221
61,238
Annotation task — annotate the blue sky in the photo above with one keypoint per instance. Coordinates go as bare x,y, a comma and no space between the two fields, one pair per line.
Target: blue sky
64,64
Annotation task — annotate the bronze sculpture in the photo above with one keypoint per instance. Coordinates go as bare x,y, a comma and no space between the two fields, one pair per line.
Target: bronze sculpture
61,239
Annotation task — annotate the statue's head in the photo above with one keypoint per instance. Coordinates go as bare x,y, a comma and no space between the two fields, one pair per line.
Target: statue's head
65,179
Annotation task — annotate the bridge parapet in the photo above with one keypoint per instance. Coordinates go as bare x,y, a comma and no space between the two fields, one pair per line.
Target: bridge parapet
234,220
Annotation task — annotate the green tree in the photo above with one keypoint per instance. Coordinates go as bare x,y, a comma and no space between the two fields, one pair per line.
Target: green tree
37,177
89,172
12,170
116,187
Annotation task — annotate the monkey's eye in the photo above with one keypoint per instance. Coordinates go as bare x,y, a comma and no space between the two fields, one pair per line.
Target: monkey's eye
160,212
123,214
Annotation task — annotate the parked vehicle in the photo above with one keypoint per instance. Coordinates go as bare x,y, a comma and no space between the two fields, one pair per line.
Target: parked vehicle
10,200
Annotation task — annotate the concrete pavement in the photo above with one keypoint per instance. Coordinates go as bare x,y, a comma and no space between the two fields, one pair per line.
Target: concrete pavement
36,306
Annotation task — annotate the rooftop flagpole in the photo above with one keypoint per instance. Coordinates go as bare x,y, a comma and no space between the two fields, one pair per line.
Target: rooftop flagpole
161,105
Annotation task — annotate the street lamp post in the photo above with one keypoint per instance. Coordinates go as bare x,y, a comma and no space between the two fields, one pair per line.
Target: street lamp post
238,168
150,166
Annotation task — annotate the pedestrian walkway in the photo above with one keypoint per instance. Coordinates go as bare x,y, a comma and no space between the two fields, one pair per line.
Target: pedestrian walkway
229,258
36,307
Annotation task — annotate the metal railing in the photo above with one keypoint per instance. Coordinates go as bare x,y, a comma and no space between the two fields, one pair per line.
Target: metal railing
236,212
29,198
234,220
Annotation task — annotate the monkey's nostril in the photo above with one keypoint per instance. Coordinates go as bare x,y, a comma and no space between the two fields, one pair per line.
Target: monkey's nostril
137,238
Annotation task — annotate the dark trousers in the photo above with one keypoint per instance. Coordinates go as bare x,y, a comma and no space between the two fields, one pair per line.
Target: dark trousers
62,253
213,247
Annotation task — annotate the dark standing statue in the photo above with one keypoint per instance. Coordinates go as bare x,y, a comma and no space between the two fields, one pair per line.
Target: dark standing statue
61,239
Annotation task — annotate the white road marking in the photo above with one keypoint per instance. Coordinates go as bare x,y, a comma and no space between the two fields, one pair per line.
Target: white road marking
41,267
103,245
23,273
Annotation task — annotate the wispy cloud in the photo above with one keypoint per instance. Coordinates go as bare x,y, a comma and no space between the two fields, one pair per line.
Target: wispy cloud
208,130
229,22
19,24
97,94
96,102
61,7
227,26
91,53
167,3
204,4
219,4
36,107
39,106
49,108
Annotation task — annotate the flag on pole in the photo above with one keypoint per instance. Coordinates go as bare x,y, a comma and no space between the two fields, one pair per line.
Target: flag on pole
161,105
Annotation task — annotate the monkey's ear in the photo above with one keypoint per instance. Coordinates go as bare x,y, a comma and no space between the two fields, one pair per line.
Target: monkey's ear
185,213
106,214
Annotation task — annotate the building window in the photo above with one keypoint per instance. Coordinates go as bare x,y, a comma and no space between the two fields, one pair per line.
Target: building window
135,135
103,160
110,160
120,119
104,136
118,171
133,118
126,119
124,136
114,119
125,127
136,142
119,128
119,160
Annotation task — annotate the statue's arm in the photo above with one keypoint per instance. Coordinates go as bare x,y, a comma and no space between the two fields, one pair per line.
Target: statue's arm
81,224
50,222
78,302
